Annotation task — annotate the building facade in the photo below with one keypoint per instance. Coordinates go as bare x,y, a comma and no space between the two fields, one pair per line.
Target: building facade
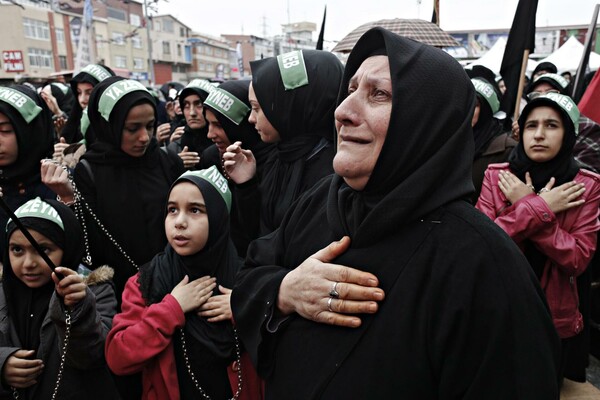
171,52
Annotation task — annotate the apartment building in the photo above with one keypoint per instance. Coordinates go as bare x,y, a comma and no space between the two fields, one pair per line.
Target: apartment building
171,52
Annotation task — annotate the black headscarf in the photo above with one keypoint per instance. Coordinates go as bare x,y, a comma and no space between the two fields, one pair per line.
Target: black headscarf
107,147
72,131
418,169
562,167
23,301
208,343
302,117
194,139
63,95
34,139
487,127
545,66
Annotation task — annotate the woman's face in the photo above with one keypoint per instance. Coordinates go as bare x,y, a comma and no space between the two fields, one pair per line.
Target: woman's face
192,111
186,224
27,265
543,134
267,132
216,133
84,90
9,148
362,121
137,130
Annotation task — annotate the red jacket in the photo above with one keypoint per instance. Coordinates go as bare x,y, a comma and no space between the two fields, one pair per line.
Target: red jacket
568,239
141,340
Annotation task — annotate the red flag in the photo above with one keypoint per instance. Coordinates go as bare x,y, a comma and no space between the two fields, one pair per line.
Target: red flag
588,105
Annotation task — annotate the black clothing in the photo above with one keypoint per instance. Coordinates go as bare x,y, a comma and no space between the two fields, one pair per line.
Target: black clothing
303,117
459,295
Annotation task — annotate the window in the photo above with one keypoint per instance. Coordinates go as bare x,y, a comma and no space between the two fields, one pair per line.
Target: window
209,67
182,31
138,63
168,26
218,53
135,20
118,38
60,35
35,29
157,25
63,62
136,41
208,51
40,58
100,41
178,50
166,47
117,14
202,67
120,61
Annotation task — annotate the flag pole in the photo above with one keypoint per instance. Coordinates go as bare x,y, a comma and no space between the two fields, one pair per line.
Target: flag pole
521,84
580,75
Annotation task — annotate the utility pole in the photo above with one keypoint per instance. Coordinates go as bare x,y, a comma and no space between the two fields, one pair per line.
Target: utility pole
149,39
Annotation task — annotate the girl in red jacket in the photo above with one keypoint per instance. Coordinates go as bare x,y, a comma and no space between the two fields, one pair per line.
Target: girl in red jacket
548,205
175,326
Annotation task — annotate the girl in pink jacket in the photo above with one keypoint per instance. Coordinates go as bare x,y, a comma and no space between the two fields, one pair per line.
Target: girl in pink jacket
548,205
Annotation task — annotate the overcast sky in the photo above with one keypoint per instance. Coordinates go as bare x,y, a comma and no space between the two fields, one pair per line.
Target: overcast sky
260,17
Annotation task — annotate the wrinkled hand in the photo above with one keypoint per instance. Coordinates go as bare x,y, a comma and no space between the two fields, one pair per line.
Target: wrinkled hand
513,188
163,132
189,158
191,295
515,131
305,290
70,288
177,133
563,197
239,164
57,178
20,371
217,308
59,149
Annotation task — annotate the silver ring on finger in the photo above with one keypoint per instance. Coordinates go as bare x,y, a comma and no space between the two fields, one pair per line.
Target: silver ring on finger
329,304
542,190
333,293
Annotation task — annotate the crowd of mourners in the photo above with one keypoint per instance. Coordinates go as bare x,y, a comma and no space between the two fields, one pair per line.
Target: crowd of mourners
371,230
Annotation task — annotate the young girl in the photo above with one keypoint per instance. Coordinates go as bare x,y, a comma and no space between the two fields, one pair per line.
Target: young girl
172,327
33,302
548,205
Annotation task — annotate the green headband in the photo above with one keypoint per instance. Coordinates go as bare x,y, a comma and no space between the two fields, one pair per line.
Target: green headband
84,123
97,71
292,69
555,77
37,208
201,84
115,92
214,177
567,104
487,92
227,104
20,102
61,86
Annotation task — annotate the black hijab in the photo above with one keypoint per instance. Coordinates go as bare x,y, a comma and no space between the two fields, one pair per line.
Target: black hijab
303,116
35,139
92,74
562,167
195,139
208,343
24,302
63,95
487,127
419,168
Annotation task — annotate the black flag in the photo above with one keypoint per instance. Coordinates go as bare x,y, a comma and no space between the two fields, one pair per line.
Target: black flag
322,33
520,38
578,88
435,17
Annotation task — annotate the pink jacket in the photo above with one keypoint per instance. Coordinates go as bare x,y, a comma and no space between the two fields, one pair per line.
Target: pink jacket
568,239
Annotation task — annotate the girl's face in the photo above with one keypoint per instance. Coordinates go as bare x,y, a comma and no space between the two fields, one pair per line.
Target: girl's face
137,130
186,224
257,117
84,90
542,134
9,148
27,265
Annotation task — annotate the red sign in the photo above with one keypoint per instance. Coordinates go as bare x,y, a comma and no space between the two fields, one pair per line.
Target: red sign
13,61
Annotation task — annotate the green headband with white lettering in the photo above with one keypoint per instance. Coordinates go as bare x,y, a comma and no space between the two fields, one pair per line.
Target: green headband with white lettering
486,91
201,84
97,71
554,77
115,92
565,103
292,69
214,177
37,208
227,104
20,102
